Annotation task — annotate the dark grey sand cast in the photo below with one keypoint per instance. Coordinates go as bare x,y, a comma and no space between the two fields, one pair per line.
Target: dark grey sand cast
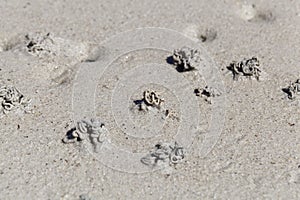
96,104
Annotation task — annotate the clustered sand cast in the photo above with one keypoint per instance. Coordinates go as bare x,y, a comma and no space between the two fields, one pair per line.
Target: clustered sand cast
247,68
93,130
293,89
12,99
164,154
151,99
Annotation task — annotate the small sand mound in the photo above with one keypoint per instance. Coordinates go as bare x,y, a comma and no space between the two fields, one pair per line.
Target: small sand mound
56,56
47,45
203,34
250,12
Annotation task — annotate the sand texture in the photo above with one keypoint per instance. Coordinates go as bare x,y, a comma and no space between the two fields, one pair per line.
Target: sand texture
195,99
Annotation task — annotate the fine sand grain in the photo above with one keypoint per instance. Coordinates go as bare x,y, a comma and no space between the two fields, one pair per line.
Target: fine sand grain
45,45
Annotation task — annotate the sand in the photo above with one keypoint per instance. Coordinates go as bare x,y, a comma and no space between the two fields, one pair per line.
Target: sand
83,59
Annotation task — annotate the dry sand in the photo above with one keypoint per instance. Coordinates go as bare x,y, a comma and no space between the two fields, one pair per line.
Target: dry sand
257,154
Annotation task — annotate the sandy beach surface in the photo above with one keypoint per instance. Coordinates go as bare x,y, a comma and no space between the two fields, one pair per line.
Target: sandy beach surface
78,60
